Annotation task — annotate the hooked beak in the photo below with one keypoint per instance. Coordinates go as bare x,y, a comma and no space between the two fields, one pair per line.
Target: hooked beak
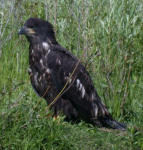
26,31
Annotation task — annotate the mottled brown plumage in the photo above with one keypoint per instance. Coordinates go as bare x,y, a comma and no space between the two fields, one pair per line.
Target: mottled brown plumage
50,69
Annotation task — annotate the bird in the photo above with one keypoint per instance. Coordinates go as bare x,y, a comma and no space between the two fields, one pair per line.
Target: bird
52,69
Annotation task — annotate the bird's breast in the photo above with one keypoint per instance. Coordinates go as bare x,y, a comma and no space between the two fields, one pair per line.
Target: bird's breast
40,73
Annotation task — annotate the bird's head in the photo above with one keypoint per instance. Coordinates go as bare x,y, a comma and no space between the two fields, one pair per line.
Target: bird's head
37,28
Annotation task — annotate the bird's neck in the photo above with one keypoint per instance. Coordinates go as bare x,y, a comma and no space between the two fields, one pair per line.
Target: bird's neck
39,48
51,40
37,41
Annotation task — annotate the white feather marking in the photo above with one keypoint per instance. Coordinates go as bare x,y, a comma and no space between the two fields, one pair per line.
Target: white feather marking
45,45
80,87
83,92
41,61
44,75
95,110
70,80
40,78
58,61
77,83
35,79
49,51
48,71
32,51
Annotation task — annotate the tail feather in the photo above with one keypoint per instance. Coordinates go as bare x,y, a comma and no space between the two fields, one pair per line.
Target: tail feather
103,117
110,123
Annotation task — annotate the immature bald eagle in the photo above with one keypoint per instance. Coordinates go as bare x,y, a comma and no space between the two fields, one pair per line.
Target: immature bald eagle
52,66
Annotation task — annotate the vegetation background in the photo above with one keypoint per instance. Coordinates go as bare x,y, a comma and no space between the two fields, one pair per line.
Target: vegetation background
109,34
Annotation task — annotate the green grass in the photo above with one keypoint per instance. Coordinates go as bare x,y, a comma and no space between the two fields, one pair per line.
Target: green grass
110,35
